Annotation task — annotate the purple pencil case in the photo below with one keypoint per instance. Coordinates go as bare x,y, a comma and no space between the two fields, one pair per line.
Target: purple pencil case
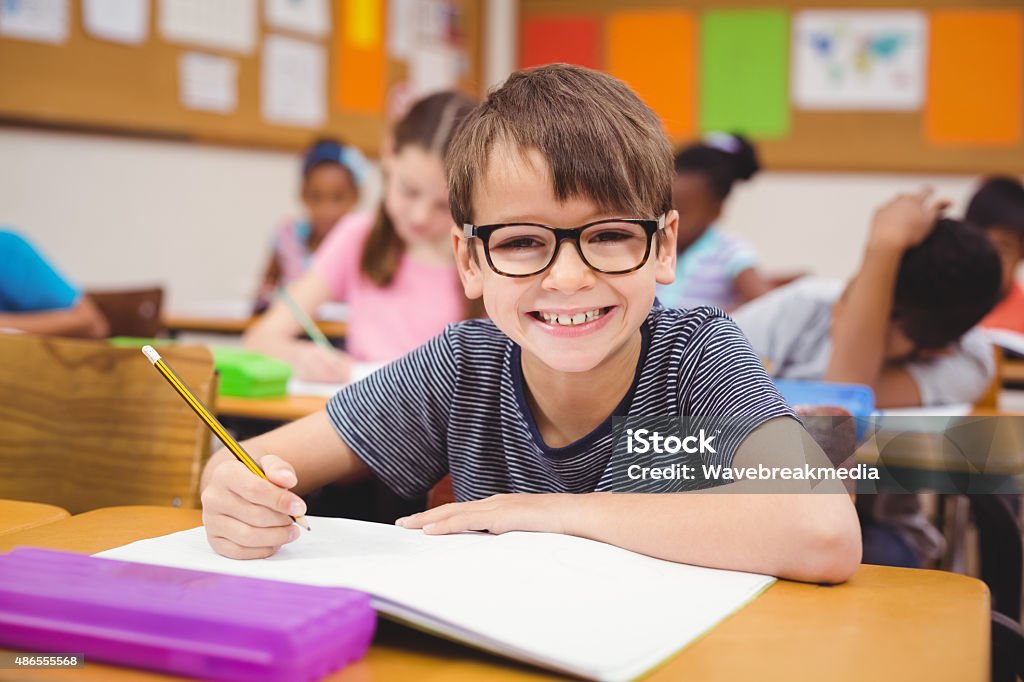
204,625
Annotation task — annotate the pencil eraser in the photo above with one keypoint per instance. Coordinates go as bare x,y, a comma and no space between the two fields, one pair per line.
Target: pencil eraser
151,353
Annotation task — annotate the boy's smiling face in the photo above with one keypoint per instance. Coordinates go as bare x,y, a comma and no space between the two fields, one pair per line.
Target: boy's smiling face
518,187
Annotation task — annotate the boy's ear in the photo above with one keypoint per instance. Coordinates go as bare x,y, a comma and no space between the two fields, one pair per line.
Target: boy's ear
666,251
467,265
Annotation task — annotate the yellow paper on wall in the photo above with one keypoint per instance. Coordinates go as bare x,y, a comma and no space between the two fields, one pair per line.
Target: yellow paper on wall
360,65
363,23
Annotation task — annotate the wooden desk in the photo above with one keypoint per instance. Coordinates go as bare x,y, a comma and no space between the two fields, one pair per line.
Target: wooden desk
234,325
885,623
284,409
16,515
971,451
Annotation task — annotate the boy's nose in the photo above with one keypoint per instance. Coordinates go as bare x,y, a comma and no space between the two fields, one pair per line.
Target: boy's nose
568,272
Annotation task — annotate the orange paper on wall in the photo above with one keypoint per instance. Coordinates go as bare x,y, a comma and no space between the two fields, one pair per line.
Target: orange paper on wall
359,60
654,53
975,77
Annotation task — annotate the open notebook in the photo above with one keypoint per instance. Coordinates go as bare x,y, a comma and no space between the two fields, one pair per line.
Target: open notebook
565,603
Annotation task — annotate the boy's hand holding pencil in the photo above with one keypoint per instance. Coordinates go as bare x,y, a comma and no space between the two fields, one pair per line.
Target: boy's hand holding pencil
245,500
255,513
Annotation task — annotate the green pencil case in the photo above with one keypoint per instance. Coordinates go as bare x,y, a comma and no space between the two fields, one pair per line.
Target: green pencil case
137,342
248,374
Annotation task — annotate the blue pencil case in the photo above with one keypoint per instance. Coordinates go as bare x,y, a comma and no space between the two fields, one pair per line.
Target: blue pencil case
203,625
857,399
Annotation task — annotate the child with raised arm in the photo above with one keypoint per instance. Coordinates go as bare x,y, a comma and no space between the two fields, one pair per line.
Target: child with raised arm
395,269
561,188
903,326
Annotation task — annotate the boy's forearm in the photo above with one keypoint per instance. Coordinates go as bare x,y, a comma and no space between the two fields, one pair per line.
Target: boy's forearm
808,537
310,445
859,335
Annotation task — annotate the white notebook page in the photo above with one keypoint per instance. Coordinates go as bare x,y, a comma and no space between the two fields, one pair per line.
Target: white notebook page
562,602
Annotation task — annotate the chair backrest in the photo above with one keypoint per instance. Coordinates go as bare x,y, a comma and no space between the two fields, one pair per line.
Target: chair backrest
86,425
131,312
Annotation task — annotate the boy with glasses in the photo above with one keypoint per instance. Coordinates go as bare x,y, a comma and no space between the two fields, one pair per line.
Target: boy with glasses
561,189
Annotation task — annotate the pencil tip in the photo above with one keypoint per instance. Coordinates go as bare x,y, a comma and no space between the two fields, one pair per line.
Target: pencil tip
302,522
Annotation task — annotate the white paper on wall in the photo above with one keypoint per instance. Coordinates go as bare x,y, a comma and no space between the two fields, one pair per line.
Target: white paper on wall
858,59
208,82
312,17
402,22
41,21
119,21
433,68
294,80
219,24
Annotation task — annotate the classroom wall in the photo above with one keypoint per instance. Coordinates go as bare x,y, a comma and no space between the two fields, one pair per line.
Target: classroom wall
818,222
113,211
197,218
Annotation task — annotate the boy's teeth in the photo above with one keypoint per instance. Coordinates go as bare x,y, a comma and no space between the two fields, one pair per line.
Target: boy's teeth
570,320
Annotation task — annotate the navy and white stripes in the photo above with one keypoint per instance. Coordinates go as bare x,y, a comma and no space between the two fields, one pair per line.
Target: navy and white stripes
457,404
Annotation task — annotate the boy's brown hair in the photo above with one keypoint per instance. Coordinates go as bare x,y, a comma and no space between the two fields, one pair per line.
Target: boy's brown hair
599,140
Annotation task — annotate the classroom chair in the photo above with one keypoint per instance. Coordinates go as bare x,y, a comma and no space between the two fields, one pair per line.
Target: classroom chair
85,425
131,312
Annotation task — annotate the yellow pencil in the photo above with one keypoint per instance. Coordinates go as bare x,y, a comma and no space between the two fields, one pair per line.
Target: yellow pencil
197,406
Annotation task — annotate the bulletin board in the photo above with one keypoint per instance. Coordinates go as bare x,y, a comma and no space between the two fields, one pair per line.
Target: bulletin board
86,83
731,65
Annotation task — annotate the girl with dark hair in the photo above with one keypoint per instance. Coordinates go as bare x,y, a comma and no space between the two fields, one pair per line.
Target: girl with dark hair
332,175
713,268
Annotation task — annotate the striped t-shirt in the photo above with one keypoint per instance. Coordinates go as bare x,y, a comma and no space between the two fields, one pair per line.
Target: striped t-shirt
458,404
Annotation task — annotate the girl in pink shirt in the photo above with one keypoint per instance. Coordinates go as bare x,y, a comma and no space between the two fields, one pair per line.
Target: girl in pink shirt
395,270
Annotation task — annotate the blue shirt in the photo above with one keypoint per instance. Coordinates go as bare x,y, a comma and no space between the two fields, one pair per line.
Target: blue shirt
27,282
458,404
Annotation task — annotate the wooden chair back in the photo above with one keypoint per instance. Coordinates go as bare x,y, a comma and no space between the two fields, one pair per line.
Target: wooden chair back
85,425
131,312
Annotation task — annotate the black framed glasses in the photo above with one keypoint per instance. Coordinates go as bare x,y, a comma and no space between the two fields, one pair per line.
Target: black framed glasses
614,246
